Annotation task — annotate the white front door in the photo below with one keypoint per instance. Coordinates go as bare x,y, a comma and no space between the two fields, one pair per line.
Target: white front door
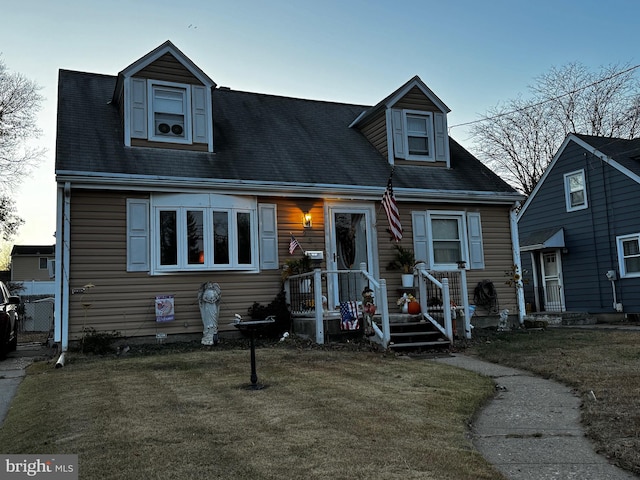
552,282
349,243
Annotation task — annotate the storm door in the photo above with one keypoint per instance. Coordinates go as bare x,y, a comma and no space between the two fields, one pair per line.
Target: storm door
349,244
552,282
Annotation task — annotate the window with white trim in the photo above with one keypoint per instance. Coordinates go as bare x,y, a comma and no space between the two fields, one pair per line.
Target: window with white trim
418,135
442,239
629,255
447,234
575,191
169,112
204,232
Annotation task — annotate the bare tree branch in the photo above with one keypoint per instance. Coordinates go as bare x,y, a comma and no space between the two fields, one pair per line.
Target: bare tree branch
519,138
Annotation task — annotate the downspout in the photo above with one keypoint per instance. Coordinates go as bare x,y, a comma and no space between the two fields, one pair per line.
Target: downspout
61,331
515,247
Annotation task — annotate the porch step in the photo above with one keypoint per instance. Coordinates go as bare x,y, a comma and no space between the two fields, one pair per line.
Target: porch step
412,334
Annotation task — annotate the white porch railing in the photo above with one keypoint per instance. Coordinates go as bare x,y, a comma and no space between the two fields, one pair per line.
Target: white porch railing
443,303
307,293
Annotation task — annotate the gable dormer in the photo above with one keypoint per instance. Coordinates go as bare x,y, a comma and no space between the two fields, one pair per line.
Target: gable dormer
409,125
165,102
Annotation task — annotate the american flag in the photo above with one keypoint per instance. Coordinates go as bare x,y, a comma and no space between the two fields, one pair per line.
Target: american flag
393,215
349,315
293,244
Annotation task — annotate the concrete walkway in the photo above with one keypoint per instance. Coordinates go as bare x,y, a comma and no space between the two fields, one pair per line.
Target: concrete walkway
531,430
13,370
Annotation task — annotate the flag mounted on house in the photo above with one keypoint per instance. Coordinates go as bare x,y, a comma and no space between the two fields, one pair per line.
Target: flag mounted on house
293,244
393,214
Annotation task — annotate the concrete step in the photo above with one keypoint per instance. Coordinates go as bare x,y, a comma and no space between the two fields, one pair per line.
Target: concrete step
434,344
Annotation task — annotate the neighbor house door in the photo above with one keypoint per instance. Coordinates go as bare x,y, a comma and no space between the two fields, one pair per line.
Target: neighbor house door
551,269
349,243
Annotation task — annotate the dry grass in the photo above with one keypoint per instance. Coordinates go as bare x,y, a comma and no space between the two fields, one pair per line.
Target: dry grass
606,363
325,414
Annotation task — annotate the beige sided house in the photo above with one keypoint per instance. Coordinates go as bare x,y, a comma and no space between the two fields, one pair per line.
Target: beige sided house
32,263
166,181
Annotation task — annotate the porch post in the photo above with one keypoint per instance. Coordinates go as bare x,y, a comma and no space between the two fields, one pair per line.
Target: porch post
446,308
422,287
317,299
515,246
465,299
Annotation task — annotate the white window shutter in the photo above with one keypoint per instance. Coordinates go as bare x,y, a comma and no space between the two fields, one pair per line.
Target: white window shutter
138,108
199,114
138,235
268,233
474,231
441,137
397,121
420,237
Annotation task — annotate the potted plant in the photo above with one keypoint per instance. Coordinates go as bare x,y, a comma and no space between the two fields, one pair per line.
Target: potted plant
403,261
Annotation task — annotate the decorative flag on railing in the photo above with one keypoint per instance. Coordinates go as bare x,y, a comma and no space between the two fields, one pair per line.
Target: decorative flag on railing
393,215
349,315
293,244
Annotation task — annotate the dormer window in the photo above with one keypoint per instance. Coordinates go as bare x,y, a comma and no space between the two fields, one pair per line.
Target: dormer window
419,137
167,112
170,112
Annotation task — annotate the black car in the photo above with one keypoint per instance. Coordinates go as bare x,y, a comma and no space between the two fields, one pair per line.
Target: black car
8,321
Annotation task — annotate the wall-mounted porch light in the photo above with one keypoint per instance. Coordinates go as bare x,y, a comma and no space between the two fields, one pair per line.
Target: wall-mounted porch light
306,220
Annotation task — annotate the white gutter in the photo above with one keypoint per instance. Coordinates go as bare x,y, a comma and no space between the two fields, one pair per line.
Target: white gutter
250,187
515,247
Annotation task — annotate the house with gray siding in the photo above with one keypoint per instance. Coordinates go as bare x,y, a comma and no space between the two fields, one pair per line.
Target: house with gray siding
580,229
167,181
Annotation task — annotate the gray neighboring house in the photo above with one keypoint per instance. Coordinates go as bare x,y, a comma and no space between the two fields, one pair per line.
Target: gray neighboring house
580,229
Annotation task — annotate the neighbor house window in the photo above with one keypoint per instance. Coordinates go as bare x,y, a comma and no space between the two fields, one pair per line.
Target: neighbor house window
575,191
44,263
169,112
205,232
629,255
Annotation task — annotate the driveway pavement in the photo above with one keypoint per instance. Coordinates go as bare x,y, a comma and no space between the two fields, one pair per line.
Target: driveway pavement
12,371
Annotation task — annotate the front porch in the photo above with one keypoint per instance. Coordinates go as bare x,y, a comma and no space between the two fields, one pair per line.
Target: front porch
318,301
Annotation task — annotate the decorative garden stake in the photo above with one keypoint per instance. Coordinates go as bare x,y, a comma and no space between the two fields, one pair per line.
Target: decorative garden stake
209,302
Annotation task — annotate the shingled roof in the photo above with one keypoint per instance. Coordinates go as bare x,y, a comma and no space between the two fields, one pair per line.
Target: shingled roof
624,151
266,139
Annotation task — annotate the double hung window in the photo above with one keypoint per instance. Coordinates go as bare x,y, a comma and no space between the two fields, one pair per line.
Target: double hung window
629,255
575,191
169,112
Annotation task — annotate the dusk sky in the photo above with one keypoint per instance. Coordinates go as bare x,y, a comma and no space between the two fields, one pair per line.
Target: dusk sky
472,54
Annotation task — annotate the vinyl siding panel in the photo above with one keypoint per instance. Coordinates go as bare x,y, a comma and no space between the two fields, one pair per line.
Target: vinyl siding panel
27,268
376,132
498,254
169,69
416,100
124,301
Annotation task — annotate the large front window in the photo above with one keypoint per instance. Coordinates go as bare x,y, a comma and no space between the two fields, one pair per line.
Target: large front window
196,232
